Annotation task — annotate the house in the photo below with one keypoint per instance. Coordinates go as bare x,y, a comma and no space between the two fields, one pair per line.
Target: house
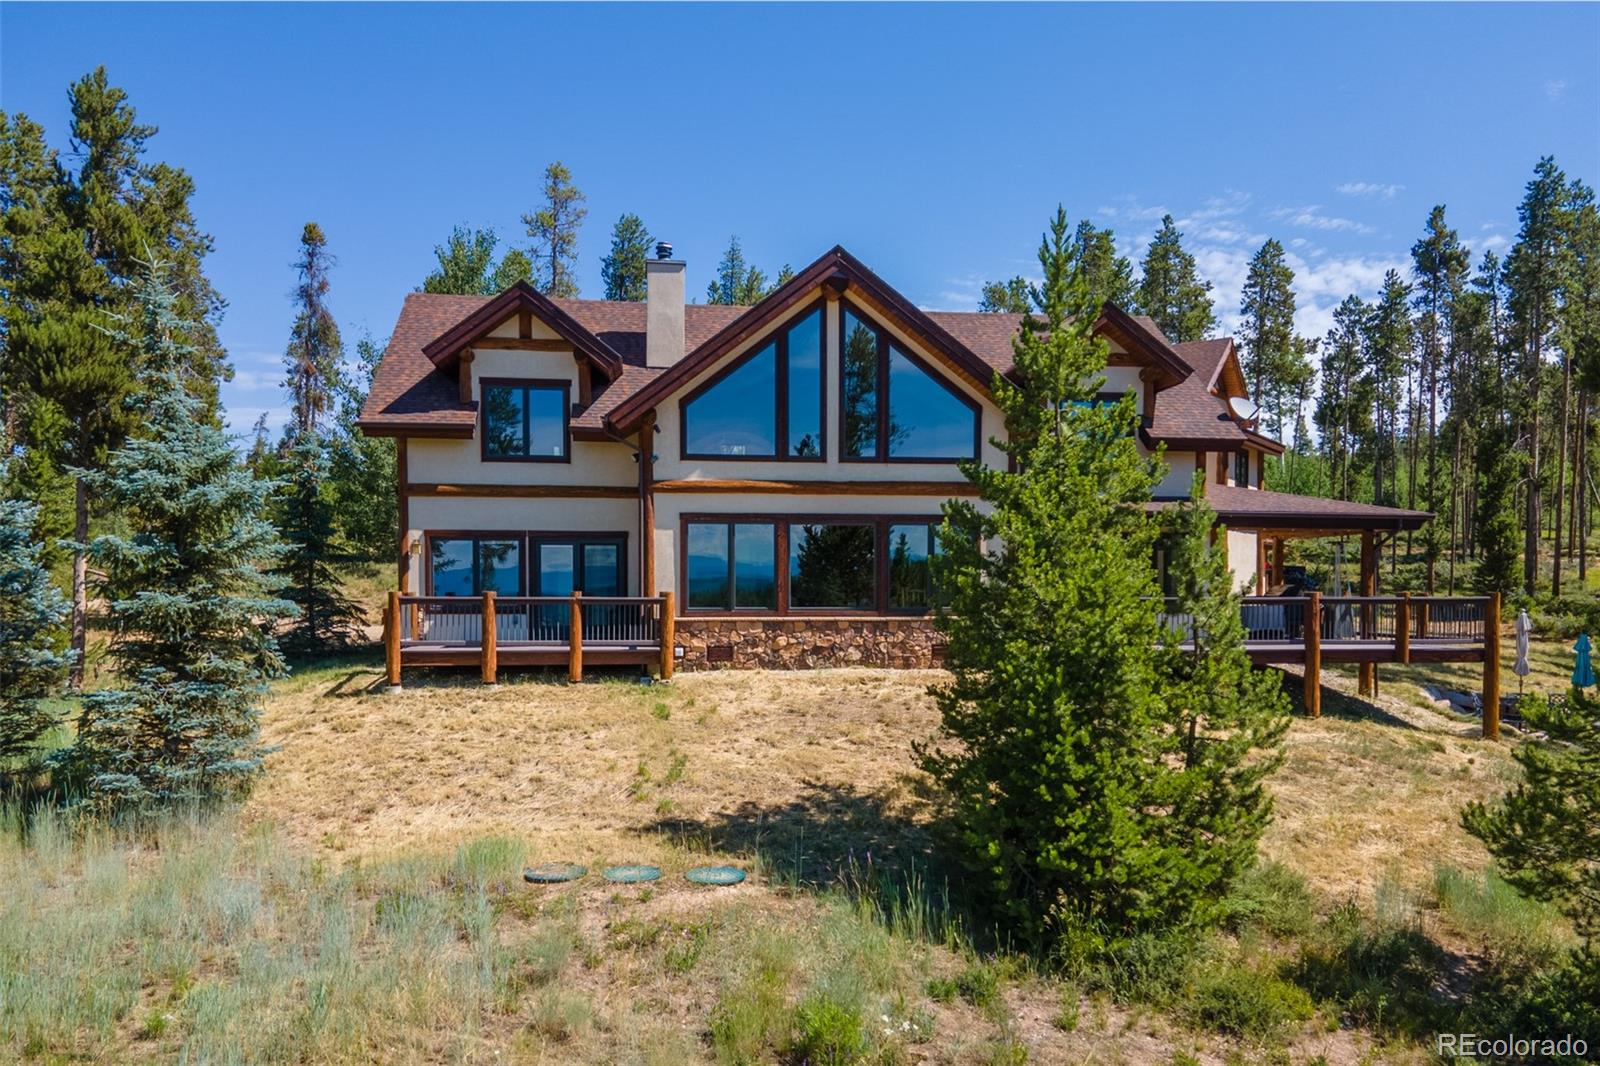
778,469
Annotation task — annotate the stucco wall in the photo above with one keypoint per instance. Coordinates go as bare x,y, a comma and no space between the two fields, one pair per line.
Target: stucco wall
1242,558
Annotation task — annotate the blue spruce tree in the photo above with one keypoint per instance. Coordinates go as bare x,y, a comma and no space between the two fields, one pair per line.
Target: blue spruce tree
31,613
192,603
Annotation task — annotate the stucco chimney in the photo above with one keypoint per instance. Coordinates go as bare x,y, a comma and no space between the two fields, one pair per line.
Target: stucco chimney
663,328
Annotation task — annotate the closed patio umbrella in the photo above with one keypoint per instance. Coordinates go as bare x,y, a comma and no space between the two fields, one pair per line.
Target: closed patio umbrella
1523,629
1583,669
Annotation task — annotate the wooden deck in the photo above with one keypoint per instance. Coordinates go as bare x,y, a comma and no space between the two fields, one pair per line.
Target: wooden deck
491,631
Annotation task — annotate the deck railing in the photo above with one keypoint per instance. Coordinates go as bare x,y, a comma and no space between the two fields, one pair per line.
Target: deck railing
1368,629
489,622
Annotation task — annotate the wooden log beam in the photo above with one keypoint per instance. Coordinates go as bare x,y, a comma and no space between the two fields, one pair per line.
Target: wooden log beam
1313,641
1491,668
487,643
391,639
575,640
647,504
669,634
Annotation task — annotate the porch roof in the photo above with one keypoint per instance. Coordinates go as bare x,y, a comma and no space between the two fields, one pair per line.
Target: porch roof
1304,516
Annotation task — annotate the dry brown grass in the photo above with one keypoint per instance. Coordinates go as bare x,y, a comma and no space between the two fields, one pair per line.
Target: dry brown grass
815,767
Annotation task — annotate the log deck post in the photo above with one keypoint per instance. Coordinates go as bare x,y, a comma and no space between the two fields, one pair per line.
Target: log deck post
1491,668
575,641
1313,641
391,640
1402,627
488,651
1367,673
668,635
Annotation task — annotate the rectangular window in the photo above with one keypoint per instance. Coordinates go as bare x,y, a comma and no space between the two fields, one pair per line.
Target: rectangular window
470,566
525,420
731,565
1241,468
832,566
833,563
911,550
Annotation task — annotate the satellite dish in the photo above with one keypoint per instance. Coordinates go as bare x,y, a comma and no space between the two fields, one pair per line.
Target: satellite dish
1243,409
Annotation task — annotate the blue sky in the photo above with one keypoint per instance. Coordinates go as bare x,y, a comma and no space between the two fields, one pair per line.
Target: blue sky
932,141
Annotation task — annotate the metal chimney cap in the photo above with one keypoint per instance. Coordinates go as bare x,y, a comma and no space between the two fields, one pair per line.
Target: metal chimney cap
663,250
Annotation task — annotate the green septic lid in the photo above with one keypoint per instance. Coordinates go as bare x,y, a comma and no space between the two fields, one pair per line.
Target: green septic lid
715,875
552,873
631,873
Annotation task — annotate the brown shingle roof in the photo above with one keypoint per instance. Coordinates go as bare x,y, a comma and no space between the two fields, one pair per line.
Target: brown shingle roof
1248,508
409,392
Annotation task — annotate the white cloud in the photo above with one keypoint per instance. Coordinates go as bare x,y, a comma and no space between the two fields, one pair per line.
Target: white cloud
1368,189
1493,241
1311,217
1555,88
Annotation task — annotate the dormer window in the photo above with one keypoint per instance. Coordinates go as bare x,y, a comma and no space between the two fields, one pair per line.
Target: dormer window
525,421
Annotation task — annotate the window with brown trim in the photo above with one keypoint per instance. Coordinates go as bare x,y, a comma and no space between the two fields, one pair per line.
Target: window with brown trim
518,563
525,421
768,404
893,407
1241,468
845,564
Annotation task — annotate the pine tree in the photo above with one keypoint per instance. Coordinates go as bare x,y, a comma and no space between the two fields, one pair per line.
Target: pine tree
1006,297
191,606
1440,263
1266,308
315,350
1110,275
514,266
31,612
465,263
362,475
1500,466
328,620
1170,289
623,268
1091,791
1545,832
1344,408
71,241
1389,350
738,283
1535,272
554,229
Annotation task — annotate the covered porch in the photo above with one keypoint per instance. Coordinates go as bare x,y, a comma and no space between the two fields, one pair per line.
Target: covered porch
1311,627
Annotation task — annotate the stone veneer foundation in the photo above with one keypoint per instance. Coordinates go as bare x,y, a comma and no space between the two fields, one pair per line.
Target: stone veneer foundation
803,643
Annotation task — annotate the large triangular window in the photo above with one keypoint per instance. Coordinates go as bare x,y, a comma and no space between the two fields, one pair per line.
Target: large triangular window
767,405
893,406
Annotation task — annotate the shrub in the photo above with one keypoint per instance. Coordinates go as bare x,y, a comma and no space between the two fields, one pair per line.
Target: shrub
1233,998
828,1032
1377,972
1273,898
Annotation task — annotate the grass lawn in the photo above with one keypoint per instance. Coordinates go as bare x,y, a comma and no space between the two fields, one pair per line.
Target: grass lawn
365,903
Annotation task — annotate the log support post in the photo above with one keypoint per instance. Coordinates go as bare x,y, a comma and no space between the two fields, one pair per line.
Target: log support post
1313,640
1367,673
488,652
391,640
575,641
1491,668
668,635
1402,627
